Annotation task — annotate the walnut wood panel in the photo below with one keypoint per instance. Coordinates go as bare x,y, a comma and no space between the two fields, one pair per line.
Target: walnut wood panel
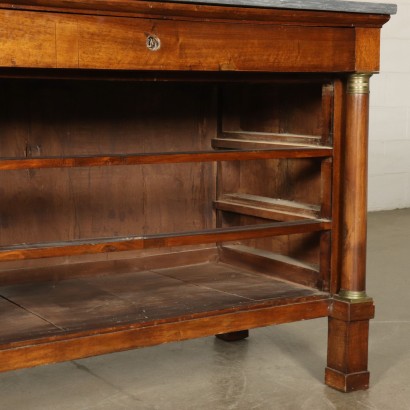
285,108
75,128
27,40
268,47
291,180
72,118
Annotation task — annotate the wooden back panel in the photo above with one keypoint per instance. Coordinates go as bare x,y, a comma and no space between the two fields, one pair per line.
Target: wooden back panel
41,118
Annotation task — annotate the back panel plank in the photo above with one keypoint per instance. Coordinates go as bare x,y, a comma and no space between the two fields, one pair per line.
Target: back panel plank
72,118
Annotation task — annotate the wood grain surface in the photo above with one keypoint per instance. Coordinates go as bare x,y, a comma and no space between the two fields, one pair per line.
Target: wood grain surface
172,170
141,305
86,42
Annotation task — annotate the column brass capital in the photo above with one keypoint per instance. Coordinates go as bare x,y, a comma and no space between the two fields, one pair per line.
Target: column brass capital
358,83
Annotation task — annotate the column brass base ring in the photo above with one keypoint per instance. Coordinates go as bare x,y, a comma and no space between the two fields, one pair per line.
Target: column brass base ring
353,296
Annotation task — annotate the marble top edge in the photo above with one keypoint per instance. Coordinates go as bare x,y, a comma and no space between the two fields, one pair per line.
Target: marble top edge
317,5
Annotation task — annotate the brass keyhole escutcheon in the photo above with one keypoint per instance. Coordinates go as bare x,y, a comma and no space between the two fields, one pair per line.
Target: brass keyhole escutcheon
153,42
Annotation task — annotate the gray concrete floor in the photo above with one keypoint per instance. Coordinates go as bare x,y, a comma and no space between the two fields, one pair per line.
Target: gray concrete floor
276,368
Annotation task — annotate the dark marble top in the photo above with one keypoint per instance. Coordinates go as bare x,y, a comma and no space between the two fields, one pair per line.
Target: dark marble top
322,5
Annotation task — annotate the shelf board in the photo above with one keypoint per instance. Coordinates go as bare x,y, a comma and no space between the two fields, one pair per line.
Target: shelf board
163,158
267,208
257,136
98,314
118,244
232,143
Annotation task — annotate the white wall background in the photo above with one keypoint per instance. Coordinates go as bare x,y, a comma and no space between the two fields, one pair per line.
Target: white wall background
389,145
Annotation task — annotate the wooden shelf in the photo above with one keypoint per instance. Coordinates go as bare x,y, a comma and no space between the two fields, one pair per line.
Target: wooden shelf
167,304
274,137
118,244
233,143
265,140
268,208
162,158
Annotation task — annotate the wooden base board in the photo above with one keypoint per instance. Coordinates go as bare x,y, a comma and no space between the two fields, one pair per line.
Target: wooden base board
86,316
80,345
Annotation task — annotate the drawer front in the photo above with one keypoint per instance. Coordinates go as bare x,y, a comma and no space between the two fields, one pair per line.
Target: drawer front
27,40
92,42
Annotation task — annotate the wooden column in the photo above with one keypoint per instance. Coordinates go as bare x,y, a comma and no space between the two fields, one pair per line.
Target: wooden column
354,189
352,308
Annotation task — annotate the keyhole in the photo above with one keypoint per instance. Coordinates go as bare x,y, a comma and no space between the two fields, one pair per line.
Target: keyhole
153,43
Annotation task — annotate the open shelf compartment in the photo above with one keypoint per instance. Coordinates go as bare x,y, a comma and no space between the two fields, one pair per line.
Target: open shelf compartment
191,210
130,303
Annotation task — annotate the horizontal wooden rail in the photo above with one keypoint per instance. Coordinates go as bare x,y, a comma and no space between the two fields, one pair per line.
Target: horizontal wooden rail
103,245
161,158
267,208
